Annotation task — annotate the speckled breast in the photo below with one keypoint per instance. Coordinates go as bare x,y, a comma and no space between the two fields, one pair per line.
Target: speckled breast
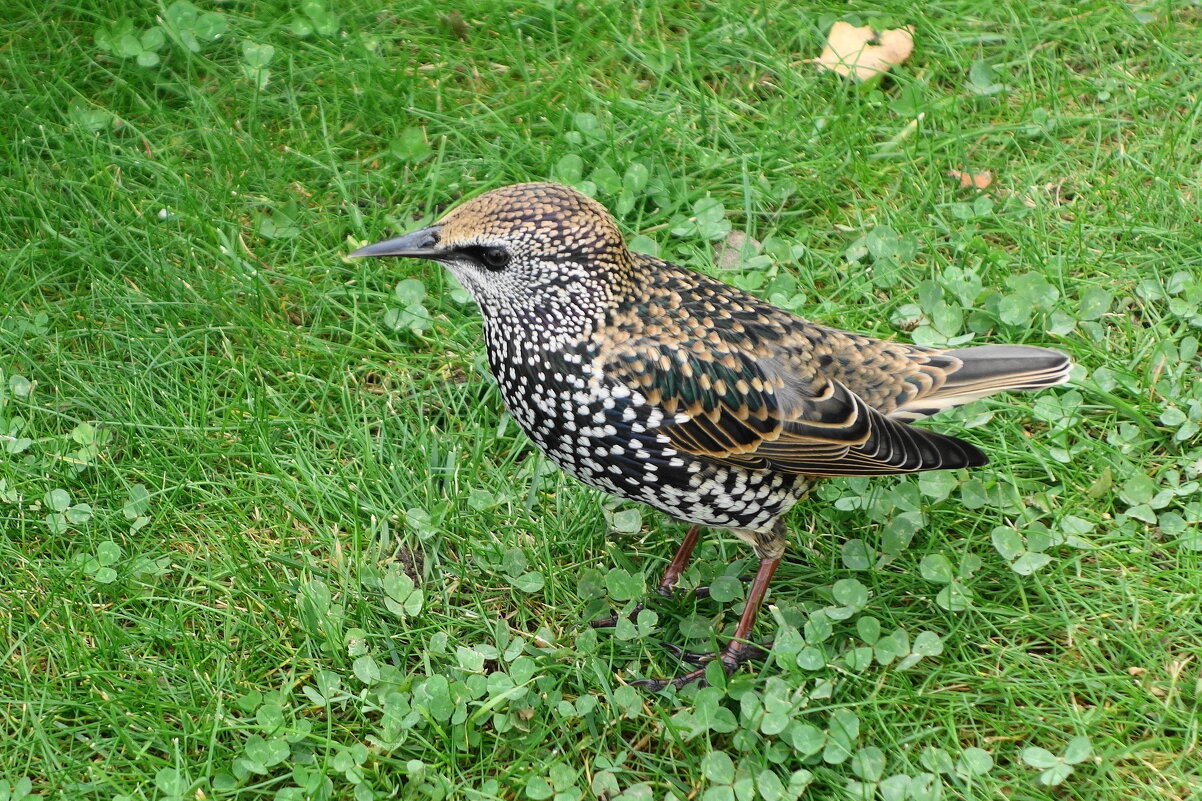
606,435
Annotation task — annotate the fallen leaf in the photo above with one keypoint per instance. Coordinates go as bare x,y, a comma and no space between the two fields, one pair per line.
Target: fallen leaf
862,53
977,180
456,24
736,248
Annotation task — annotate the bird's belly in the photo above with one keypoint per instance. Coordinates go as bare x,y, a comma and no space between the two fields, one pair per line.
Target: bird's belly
614,444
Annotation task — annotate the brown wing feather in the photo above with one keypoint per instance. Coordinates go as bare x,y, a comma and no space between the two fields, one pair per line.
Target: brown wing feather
744,407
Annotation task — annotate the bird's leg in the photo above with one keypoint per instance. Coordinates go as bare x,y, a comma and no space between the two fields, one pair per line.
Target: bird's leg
739,649
679,563
667,584
769,547
671,576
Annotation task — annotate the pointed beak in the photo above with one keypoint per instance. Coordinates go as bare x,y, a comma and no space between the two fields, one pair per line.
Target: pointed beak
421,244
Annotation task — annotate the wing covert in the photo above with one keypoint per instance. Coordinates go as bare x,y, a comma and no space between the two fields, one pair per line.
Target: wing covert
745,407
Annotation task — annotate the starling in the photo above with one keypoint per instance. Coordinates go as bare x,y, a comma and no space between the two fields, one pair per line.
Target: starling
662,385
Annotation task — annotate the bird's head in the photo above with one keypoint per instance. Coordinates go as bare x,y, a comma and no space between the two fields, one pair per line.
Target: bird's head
537,253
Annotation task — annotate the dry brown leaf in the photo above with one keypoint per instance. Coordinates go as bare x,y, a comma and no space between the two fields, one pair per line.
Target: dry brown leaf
977,180
862,53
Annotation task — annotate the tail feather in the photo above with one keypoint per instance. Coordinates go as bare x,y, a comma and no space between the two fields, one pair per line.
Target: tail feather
987,369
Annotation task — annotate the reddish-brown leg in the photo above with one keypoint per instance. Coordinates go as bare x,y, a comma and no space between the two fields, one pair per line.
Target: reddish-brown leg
679,562
671,575
739,649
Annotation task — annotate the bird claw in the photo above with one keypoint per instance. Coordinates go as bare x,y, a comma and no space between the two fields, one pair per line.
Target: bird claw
658,685
748,652
612,620
665,590
731,657
692,657
753,652
670,590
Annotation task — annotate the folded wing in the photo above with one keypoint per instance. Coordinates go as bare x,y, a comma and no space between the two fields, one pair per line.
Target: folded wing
744,407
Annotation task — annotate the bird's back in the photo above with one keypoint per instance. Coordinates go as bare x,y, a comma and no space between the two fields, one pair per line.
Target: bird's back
899,380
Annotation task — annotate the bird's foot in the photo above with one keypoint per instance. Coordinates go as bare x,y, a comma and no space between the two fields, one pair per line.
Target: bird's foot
667,591
690,657
612,620
750,651
733,655
671,590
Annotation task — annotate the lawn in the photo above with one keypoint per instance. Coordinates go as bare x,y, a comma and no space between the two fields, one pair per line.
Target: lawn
268,533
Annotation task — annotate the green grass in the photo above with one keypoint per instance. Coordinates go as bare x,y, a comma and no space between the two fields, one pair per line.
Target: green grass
268,468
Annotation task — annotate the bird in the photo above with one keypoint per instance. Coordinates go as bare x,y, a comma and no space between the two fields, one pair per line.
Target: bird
660,384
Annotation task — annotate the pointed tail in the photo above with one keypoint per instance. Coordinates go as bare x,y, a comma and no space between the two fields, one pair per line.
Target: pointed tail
985,370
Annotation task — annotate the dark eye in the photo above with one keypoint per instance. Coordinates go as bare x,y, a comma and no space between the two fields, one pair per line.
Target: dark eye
494,258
